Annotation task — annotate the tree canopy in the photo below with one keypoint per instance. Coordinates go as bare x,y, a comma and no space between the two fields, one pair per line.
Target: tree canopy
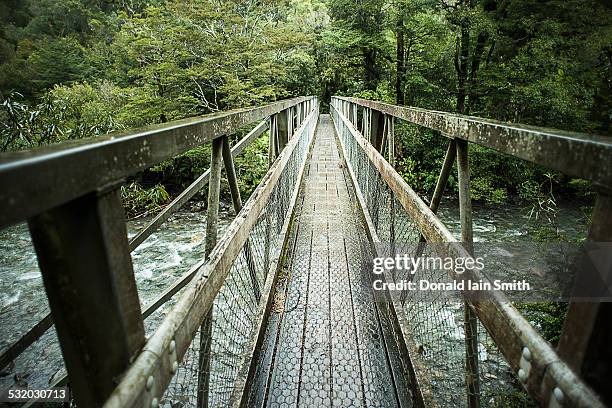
78,68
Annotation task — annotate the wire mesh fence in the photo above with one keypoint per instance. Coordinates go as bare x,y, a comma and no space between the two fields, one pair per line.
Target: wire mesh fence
435,319
235,308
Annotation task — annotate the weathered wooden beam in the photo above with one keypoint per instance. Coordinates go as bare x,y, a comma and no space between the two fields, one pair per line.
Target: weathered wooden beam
87,271
273,149
576,154
18,347
230,171
283,123
587,331
85,165
376,131
470,325
447,166
232,180
390,139
273,152
363,124
212,228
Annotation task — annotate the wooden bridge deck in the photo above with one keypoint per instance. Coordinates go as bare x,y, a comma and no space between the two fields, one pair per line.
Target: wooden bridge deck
326,342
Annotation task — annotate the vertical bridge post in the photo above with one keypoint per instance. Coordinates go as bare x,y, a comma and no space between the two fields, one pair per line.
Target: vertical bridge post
587,330
285,128
212,218
273,139
84,258
467,237
273,152
365,123
377,129
230,171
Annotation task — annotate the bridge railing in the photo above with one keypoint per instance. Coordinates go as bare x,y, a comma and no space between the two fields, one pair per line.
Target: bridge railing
439,356
70,196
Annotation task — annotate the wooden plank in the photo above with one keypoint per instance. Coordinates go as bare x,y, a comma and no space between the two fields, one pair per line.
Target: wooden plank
587,330
18,347
232,180
284,128
87,271
212,228
377,129
447,166
273,140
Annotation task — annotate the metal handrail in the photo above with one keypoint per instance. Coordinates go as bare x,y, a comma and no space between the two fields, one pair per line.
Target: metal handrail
37,180
575,154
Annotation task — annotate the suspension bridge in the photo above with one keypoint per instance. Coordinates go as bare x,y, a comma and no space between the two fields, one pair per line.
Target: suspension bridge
281,311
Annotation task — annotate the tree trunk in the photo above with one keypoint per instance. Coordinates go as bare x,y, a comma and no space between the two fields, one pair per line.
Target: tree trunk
399,80
462,55
476,59
461,66
369,62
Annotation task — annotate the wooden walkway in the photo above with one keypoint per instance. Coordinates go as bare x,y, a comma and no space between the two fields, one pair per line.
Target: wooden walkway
326,342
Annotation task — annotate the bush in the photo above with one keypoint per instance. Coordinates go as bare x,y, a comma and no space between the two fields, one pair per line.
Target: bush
547,317
483,190
252,165
179,172
140,202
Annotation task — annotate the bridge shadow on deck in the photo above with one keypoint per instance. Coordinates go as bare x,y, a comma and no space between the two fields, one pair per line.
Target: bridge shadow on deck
327,343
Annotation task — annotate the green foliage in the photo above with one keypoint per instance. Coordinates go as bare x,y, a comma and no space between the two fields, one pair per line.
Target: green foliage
547,317
482,190
70,69
503,398
55,61
581,188
177,173
252,165
66,112
139,201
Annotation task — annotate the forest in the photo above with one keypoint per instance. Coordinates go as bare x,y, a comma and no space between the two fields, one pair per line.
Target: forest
71,69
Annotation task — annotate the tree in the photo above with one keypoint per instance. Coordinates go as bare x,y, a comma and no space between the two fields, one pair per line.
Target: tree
362,23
